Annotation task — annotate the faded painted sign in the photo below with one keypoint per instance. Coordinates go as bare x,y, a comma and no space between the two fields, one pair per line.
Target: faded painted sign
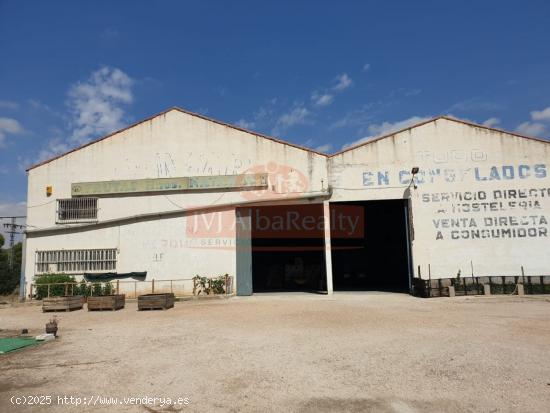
169,184
507,213
383,178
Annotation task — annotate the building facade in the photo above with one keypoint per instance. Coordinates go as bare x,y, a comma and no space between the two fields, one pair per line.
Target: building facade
179,195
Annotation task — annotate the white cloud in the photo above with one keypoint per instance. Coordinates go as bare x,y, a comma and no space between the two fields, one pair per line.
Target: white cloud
97,104
385,128
532,129
262,119
324,98
6,104
543,115
324,148
321,99
357,142
53,148
366,67
538,125
298,115
23,163
491,122
242,123
9,126
343,81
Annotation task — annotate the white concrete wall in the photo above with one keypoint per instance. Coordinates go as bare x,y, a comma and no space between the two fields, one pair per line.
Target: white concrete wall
456,158
160,247
174,144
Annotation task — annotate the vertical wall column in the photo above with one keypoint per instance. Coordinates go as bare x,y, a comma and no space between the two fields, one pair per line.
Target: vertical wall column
22,277
243,245
328,248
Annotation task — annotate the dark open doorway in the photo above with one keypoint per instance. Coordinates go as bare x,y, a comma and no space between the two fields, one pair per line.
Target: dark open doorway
288,248
377,258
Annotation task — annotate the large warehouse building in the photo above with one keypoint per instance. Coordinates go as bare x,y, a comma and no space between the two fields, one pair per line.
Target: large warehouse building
179,195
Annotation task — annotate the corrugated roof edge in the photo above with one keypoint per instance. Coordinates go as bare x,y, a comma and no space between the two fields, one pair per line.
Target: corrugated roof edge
182,111
465,122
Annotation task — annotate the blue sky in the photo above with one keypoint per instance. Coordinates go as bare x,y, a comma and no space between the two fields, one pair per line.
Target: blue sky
322,74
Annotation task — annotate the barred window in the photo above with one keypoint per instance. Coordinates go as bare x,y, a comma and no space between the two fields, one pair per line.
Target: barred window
77,210
76,261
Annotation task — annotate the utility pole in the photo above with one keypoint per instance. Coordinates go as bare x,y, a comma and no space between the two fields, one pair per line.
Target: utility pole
12,228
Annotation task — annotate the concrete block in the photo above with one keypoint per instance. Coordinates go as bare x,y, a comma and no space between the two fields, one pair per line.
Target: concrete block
486,289
520,289
45,337
451,291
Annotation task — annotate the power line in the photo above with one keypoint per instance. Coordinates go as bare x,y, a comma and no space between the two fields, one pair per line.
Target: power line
12,229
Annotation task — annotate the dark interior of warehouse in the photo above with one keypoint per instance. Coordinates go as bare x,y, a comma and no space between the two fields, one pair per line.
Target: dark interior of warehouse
377,259
288,254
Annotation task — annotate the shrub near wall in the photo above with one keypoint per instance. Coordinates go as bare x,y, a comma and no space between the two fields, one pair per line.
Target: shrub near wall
55,290
207,285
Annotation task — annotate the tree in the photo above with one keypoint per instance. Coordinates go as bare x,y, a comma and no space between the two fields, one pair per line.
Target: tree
9,276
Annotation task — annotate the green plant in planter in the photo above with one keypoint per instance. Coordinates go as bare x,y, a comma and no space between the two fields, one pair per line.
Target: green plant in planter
97,289
218,285
201,285
88,290
108,289
80,288
205,285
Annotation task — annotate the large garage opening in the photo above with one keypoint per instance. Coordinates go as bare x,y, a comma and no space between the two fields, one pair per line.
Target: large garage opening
288,248
375,256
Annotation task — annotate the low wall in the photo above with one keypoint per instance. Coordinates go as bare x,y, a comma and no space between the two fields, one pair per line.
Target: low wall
533,284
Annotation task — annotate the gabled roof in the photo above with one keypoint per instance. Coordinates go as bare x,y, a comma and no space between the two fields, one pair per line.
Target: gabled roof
449,118
175,108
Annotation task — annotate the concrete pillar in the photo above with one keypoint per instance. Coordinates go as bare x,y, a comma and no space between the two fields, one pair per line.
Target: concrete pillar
23,279
486,289
520,289
451,291
243,279
328,249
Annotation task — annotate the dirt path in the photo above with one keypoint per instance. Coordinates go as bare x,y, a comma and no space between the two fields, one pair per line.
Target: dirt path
305,353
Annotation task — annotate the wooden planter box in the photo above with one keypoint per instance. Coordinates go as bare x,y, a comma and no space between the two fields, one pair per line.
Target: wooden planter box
65,303
155,301
106,302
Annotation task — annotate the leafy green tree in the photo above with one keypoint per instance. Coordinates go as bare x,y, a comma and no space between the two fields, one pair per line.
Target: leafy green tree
9,275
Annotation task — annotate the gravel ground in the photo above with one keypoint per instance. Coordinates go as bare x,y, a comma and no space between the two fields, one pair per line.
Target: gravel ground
303,353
